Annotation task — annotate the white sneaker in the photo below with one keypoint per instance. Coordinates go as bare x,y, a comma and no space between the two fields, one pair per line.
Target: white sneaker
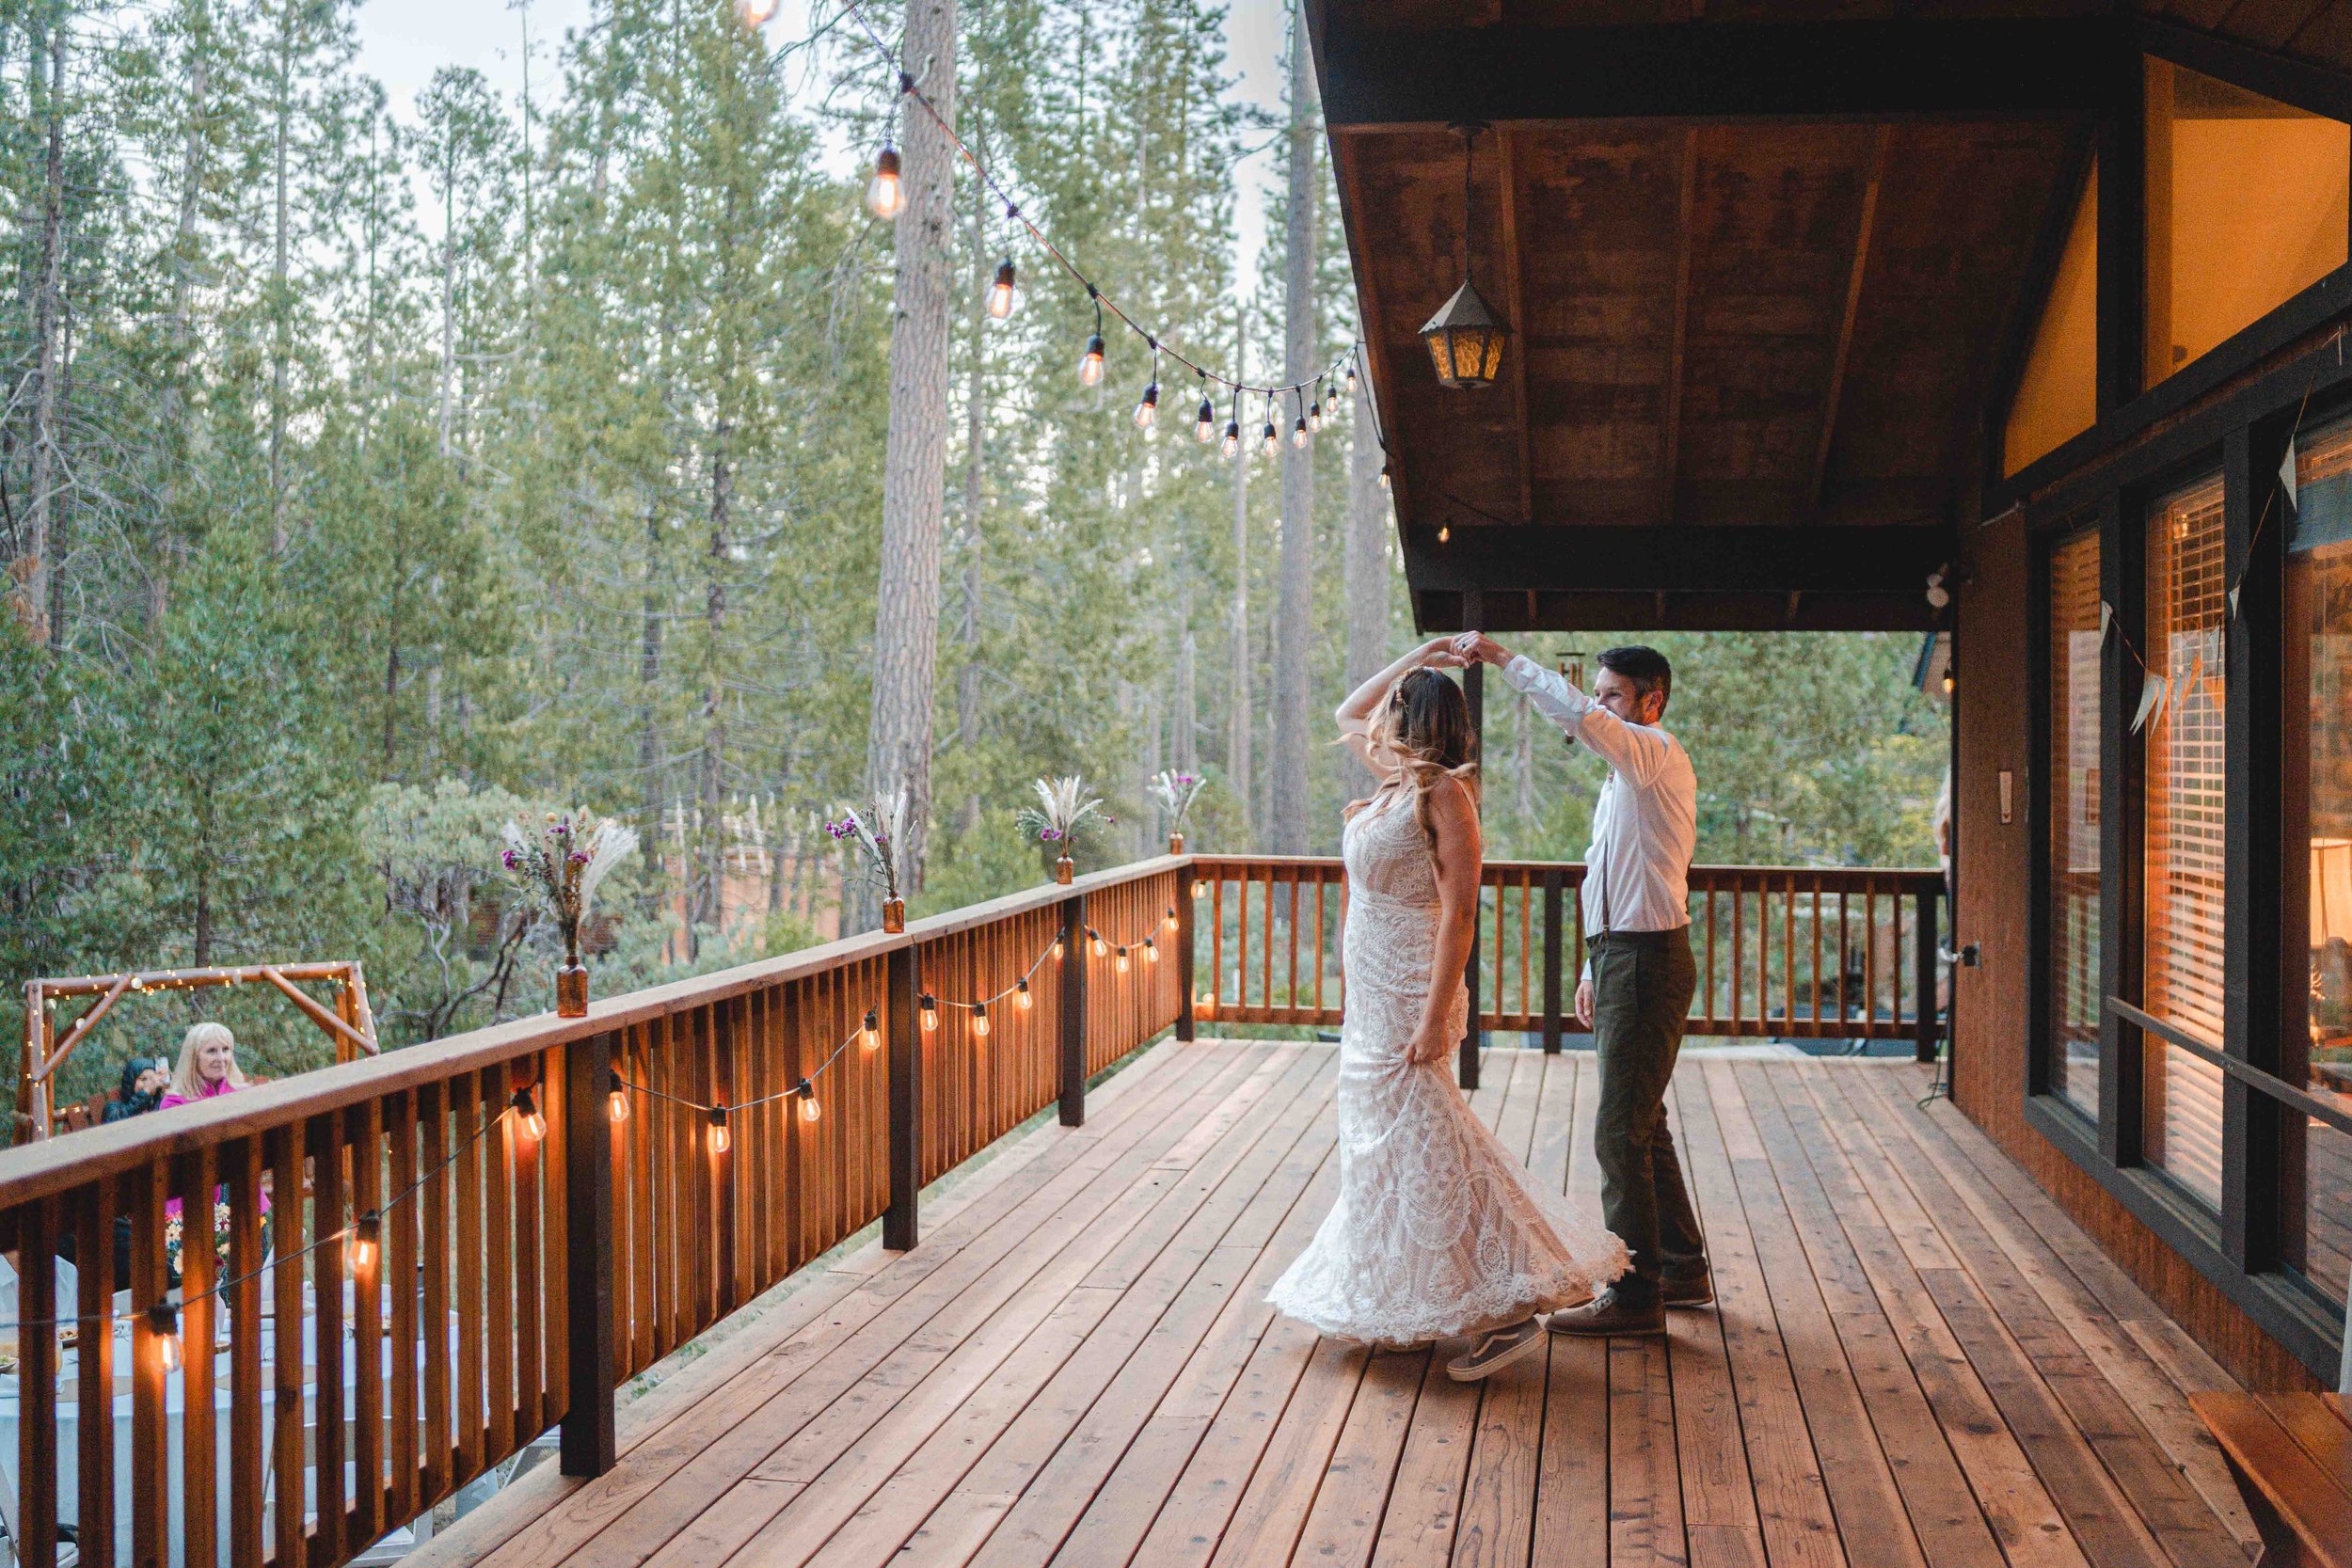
1496,1350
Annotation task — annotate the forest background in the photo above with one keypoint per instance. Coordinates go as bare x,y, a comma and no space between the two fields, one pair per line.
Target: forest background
367,478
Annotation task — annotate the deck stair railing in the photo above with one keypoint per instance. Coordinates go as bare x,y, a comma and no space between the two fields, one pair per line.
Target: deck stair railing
474,1241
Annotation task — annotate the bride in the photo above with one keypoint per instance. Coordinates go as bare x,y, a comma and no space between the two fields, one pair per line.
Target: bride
1438,1231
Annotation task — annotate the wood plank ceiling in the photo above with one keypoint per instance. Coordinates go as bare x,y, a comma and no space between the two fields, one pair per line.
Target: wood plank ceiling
1788,315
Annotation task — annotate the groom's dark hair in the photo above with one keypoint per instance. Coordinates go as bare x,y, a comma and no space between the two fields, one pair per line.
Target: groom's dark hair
1647,667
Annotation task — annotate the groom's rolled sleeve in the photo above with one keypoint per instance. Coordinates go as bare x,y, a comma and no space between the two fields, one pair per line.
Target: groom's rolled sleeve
1549,691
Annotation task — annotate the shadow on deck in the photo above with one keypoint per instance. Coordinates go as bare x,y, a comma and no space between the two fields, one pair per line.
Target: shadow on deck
1917,1360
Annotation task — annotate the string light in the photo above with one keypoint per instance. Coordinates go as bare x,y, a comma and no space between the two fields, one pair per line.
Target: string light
1351,375
1268,442
980,1021
1204,424
1383,476
931,1014
756,13
870,1034
885,194
1170,920
1001,297
1090,362
721,1140
1298,431
1151,951
1122,960
163,1321
616,1102
1204,1005
1232,443
806,1092
1199,888
1314,411
1058,949
1101,946
1445,532
1147,409
1020,992
1331,398
527,1115
365,1242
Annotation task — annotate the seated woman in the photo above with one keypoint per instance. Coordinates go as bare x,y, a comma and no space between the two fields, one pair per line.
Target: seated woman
208,1068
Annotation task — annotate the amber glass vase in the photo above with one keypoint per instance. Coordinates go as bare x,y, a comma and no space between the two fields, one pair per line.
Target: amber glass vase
893,914
571,981
1065,868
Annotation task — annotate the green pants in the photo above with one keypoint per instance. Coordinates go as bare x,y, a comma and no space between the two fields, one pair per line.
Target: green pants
1642,986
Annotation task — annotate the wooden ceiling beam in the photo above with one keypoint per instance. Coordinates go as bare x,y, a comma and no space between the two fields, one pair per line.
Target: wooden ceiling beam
1669,440
1862,69
1863,227
1810,558
1514,308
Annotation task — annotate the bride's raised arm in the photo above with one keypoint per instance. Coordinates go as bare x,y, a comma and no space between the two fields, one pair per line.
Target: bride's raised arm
1354,716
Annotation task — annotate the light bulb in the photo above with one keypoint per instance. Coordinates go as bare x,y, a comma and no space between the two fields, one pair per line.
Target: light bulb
721,1140
869,1032
1151,951
1331,400
1269,442
810,1109
1122,960
1232,443
931,1013
1090,363
617,1102
164,1321
1058,949
1200,890
1445,532
886,193
1314,416
756,13
1101,947
980,1021
1351,379
1298,433
363,1241
1383,476
1001,297
1170,921
1205,1006
1148,410
1948,683
527,1115
1204,424
1020,995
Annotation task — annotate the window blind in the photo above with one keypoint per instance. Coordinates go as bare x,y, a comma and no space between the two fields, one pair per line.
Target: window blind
2183,864
2075,1002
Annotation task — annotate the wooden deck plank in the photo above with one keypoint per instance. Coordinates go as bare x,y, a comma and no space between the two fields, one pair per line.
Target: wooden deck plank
1078,1366
1792,1505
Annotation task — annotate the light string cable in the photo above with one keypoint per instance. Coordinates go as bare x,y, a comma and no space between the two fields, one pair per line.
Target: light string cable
910,89
364,1226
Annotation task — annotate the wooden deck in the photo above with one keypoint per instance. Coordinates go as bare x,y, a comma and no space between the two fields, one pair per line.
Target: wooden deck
1917,1361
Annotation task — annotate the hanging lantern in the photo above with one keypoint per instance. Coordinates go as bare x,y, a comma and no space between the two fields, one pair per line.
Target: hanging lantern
1001,297
1466,338
885,194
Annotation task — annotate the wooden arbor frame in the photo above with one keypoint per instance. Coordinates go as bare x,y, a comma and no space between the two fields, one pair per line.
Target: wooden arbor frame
351,1025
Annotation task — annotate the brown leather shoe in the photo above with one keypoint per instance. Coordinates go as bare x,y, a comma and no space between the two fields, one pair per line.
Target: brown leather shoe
1606,1316
1697,1290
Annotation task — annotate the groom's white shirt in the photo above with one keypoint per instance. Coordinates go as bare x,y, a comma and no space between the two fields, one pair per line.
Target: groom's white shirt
1637,874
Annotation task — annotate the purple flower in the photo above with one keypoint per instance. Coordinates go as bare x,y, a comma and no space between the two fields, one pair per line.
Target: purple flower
580,857
1049,834
1186,778
882,838
510,858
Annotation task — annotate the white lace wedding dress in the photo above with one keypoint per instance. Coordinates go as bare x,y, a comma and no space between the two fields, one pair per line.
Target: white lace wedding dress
1437,1229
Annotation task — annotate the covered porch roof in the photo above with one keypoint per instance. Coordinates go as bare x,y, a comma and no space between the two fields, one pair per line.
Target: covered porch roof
1769,266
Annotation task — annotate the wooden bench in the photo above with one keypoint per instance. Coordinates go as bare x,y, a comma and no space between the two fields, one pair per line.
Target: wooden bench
2291,1455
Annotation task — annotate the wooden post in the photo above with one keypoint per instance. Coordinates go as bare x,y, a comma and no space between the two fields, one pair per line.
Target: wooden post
589,1446
899,1230
1555,939
1073,1010
1183,953
1474,691
1924,948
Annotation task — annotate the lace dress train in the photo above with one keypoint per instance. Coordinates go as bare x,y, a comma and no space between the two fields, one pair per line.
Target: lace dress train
1438,1231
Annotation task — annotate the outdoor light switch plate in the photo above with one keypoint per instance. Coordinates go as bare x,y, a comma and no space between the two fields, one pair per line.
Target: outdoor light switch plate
2008,790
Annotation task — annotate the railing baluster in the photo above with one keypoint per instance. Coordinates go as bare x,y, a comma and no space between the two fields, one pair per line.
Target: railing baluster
588,1445
367,1323
94,1278
199,1476
37,1382
286,1148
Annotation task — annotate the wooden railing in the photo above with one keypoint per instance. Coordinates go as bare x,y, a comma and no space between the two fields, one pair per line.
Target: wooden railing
1790,953
481,1237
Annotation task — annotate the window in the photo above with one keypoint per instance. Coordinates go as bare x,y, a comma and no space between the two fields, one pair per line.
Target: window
2181,848
2317,886
2058,392
2074,994
2246,208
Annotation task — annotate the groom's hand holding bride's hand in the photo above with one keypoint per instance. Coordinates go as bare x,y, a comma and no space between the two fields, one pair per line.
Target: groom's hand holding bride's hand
1441,652
1477,647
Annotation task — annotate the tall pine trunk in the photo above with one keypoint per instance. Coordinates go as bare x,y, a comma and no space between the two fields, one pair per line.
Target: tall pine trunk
1237,716
975,474
1294,594
43,589
1366,570
914,462
282,302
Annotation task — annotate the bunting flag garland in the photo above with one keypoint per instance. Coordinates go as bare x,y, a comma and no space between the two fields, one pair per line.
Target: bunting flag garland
2151,701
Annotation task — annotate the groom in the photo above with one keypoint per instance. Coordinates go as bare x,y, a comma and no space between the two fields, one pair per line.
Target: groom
1638,977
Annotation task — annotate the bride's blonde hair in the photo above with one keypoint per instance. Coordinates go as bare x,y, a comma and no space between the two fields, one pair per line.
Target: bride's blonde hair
1422,730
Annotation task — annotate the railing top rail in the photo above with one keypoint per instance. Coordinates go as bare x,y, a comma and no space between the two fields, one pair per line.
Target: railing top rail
1826,876
39,1170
